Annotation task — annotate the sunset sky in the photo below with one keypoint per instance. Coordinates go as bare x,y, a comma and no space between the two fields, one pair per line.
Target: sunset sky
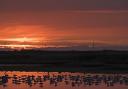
63,22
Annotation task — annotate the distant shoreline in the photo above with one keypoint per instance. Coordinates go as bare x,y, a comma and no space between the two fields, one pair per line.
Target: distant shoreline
45,68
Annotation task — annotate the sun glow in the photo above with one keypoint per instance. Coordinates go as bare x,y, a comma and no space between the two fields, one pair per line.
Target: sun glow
22,43
24,39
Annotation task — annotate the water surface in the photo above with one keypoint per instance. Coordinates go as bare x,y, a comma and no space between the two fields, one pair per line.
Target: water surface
61,80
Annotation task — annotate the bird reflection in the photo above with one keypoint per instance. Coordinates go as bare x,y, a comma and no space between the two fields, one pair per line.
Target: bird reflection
76,80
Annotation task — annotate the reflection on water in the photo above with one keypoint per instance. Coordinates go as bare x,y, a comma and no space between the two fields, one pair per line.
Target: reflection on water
65,80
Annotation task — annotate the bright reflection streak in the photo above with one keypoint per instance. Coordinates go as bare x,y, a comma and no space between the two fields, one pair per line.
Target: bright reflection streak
19,47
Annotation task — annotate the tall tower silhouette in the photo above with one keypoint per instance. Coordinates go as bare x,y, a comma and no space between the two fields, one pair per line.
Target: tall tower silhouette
92,44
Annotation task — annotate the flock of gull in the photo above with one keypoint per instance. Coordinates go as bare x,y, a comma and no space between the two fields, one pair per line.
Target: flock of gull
65,79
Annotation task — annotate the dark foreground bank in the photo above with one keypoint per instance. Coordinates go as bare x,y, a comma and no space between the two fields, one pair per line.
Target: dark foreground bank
64,60
64,57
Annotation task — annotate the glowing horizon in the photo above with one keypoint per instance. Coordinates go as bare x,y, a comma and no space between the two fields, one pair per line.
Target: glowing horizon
68,26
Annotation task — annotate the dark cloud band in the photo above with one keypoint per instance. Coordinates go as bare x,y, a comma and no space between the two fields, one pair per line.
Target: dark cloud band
31,5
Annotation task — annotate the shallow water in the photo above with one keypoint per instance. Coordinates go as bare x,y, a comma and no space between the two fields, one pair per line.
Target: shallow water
61,80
